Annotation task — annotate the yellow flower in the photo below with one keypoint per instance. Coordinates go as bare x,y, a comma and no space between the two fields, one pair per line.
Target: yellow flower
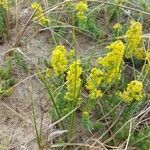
4,3
117,26
85,115
81,6
134,39
59,60
71,53
37,7
39,13
112,62
116,46
43,20
95,94
133,92
73,81
139,53
94,82
81,16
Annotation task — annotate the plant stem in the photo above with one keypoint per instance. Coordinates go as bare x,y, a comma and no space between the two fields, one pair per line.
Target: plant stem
54,104
38,137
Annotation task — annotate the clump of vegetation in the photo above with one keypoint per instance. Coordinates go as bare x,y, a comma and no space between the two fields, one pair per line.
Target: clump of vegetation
86,88
39,14
7,79
93,90
3,20
98,89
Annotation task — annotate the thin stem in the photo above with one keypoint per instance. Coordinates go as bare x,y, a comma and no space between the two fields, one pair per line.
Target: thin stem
34,121
53,101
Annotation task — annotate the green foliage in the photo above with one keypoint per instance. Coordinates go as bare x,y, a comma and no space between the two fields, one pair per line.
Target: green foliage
90,26
2,20
98,114
122,134
130,110
140,139
6,79
113,13
145,4
2,147
63,106
87,123
20,61
59,34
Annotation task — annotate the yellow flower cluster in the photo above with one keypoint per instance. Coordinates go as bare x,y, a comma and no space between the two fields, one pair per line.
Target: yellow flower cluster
71,54
39,13
59,60
73,81
134,39
85,115
133,92
112,62
117,26
4,3
94,82
81,8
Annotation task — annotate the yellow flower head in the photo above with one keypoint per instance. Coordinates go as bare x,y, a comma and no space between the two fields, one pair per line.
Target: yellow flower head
133,92
73,81
139,53
4,3
133,39
81,16
42,19
117,26
113,60
81,6
94,82
71,53
59,60
85,115
116,47
37,7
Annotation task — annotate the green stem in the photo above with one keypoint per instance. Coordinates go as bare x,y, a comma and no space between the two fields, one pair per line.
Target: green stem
54,104
38,137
